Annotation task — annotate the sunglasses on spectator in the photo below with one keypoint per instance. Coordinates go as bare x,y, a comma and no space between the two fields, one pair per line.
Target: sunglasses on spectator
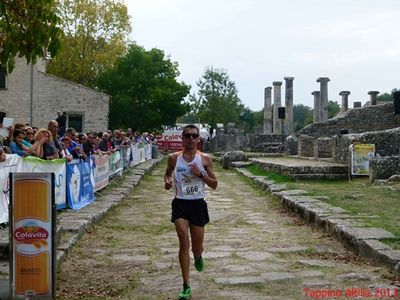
190,135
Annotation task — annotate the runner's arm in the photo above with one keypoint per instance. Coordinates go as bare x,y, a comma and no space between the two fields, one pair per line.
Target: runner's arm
210,179
168,172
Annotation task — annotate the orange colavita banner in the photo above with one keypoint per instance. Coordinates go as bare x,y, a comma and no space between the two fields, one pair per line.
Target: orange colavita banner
32,239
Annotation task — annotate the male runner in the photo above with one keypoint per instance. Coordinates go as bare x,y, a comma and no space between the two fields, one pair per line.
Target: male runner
191,170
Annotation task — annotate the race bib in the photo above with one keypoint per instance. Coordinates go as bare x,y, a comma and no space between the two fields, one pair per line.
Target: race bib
193,188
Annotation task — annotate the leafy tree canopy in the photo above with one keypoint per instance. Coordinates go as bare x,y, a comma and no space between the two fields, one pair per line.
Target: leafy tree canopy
144,89
218,100
95,35
384,97
333,109
28,29
192,116
258,118
247,120
302,116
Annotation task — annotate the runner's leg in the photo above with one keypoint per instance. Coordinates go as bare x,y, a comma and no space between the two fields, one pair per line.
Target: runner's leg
197,236
182,229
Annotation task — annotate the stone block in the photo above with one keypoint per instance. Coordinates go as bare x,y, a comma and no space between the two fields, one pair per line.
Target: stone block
383,167
390,258
291,145
323,148
232,156
369,248
240,164
306,146
239,280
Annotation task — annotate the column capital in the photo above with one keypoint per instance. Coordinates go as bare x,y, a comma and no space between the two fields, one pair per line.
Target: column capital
315,93
277,83
373,93
268,88
344,93
288,78
323,79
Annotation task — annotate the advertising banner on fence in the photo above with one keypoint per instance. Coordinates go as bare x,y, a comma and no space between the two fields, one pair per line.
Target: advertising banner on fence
116,164
126,156
360,156
80,183
32,230
12,163
57,166
147,151
170,140
101,170
135,155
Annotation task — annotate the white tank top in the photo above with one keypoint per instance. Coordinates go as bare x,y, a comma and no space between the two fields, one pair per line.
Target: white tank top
187,185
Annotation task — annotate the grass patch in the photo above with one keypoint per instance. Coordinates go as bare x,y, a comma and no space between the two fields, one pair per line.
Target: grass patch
242,222
394,243
372,206
277,177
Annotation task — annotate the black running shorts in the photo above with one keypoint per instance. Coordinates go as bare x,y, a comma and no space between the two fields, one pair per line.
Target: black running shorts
195,211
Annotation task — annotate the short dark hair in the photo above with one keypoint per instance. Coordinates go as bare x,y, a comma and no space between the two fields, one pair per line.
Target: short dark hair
2,116
70,130
17,132
190,126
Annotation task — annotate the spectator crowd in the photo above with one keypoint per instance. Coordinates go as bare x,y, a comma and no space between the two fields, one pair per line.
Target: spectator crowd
57,141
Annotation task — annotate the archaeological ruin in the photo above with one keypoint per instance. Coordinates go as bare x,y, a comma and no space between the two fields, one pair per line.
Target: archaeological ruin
328,139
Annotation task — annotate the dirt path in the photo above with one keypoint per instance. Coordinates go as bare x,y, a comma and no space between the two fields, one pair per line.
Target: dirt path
253,250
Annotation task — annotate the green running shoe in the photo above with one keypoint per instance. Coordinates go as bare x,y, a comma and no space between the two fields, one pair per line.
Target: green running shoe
185,293
199,264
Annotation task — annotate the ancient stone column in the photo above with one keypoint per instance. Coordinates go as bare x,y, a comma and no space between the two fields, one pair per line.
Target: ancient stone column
345,100
267,128
373,95
356,104
277,103
324,98
317,109
289,104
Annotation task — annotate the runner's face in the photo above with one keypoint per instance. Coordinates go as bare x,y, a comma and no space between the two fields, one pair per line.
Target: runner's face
190,138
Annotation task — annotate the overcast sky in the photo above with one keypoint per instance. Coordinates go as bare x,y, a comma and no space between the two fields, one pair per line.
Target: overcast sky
356,43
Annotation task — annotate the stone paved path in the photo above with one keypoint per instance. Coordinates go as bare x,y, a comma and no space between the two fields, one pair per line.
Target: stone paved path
253,250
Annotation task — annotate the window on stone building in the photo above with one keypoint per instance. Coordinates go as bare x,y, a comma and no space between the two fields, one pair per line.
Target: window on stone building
3,79
75,120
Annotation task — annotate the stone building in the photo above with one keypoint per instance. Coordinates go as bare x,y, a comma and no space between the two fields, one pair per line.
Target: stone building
29,94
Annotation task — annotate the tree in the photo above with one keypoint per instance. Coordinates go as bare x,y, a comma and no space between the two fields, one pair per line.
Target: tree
192,116
333,109
258,118
95,36
385,97
219,102
301,116
145,92
247,120
28,29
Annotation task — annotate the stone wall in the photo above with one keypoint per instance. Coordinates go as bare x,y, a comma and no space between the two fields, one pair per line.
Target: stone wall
50,94
387,143
384,167
306,146
249,142
356,120
15,99
323,147
224,142
57,94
